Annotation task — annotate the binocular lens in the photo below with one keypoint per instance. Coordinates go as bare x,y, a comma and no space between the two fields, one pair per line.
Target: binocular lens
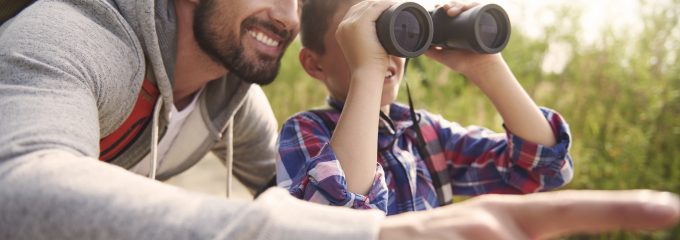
407,31
488,30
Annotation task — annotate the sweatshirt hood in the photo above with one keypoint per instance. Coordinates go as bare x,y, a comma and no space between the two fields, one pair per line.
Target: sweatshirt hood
154,23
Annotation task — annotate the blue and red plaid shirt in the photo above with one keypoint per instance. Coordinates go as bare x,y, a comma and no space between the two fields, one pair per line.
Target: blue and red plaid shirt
477,160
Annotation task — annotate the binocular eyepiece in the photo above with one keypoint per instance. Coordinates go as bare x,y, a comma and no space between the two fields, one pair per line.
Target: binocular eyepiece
408,30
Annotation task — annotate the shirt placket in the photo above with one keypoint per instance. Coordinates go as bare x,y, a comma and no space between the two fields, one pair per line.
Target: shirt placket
408,163
395,156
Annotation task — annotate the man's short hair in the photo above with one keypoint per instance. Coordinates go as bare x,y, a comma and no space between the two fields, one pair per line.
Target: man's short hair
315,18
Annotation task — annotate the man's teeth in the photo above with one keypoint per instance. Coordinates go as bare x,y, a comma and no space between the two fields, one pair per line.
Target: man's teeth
260,37
388,74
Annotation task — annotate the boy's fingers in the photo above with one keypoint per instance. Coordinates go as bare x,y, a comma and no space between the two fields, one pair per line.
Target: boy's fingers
370,10
470,5
455,8
553,214
452,8
378,8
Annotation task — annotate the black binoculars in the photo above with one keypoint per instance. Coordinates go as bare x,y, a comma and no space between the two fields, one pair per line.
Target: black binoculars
408,30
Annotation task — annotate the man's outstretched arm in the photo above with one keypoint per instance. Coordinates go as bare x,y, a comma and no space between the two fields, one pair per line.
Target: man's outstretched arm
538,216
58,195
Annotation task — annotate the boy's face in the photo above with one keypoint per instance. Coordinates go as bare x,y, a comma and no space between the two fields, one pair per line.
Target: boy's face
338,73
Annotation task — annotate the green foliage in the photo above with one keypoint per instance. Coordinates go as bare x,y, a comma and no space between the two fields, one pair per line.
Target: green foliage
620,95
293,90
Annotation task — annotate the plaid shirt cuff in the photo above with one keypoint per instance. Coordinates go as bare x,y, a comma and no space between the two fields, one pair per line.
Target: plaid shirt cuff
327,180
544,160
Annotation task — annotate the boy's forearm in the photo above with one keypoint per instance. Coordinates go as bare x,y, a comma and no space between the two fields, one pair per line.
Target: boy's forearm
356,135
519,111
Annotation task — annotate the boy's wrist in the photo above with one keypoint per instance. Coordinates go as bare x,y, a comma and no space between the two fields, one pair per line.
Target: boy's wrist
483,66
368,75
488,73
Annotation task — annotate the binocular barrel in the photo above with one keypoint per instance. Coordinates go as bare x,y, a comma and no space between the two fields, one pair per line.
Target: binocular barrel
408,30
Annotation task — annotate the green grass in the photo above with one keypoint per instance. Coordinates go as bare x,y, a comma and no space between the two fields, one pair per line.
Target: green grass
620,95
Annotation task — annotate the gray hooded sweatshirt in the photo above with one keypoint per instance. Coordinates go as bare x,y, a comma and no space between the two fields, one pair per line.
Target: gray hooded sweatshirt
70,72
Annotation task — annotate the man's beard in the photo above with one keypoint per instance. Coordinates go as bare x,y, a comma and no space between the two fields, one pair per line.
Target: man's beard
221,44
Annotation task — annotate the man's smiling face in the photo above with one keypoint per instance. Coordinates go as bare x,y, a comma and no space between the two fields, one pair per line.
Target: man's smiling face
248,37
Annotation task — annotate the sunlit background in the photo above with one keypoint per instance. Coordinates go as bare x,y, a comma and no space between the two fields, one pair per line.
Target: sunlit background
609,67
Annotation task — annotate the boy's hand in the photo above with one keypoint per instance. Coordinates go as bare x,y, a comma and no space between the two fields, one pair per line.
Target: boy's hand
461,61
358,40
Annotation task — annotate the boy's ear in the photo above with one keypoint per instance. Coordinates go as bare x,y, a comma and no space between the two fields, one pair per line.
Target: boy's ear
310,62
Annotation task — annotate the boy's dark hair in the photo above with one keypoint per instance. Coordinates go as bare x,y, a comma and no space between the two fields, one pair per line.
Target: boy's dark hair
314,19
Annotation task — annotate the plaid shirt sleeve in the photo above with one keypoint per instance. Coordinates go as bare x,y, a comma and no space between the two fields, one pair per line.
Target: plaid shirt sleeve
307,166
481,161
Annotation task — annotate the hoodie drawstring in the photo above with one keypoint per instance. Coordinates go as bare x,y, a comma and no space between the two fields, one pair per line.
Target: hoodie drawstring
229,157
154,138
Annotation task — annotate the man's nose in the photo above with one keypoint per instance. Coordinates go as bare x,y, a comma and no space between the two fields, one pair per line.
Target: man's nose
285,15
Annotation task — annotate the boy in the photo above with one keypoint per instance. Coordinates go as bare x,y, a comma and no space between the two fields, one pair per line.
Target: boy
330,156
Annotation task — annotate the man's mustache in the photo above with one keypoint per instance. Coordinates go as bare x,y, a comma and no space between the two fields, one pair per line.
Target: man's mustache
285,35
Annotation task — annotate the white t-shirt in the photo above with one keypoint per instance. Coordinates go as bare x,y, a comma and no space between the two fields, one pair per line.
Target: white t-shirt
176,121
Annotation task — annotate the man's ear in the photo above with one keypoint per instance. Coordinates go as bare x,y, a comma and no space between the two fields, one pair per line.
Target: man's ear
310,62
